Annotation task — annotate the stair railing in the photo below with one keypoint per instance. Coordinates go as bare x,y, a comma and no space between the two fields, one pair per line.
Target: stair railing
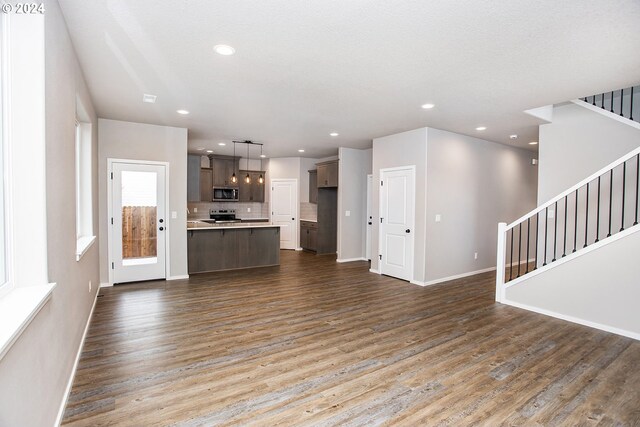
623,102
599,206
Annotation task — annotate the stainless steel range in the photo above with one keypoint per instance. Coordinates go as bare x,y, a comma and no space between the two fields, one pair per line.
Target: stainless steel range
223,216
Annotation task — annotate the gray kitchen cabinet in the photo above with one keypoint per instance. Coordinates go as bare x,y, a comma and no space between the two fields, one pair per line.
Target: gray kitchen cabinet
327,221
309,235
232,248
223,167
211,250
193,178
206,184
327,174
313,186
254,191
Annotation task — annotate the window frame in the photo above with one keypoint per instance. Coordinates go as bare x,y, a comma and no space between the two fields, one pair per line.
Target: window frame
85,234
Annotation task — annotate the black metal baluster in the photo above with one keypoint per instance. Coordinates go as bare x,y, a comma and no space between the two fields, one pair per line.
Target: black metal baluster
519,246
621,98
526,270
564,248
637,184
586,218
611,102
511,263
535,266
601,101
546,226
624,185
555,231
598,214
610,199
575,224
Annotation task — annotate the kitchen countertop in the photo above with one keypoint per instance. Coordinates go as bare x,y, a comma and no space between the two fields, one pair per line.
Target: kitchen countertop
309,220
199,225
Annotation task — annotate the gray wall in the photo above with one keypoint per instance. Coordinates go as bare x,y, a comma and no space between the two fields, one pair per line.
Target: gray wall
35,372
137,141
403,149
473,184
586,291
576,144
352,196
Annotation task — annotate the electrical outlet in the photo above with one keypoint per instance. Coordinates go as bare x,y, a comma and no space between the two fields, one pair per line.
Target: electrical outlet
438,217
475,255
89,285
195,210
248,209
347,213
174,214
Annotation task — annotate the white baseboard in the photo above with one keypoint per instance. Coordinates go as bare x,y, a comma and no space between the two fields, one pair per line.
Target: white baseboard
106,285
446,279
373,270
185,276
606,328
352,259
65,398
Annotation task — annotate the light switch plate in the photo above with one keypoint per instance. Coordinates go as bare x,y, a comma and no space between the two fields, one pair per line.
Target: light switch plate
438,217
174,214
347,213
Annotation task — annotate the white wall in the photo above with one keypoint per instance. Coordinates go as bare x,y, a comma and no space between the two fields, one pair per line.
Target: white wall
576,144
137,141
472,184
582,290
35,372
354,167
403,149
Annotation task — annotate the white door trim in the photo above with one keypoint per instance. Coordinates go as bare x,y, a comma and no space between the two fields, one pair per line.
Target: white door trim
368,230
382,171
297,204
110,162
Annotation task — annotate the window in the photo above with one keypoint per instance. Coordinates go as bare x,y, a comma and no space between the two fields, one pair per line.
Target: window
84,207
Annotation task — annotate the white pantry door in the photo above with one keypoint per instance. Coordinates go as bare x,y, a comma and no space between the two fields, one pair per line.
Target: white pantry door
138,222
369,217
397,212
284,208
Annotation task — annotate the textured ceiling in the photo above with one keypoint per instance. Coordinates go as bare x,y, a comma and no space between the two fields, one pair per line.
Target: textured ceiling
303,69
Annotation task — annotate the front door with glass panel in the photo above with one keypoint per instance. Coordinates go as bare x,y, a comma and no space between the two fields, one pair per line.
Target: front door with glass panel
138,222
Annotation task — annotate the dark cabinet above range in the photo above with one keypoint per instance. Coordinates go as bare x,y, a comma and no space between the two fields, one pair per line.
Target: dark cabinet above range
201,179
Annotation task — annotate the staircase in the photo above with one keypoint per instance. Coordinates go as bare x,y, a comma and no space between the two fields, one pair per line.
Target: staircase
599,210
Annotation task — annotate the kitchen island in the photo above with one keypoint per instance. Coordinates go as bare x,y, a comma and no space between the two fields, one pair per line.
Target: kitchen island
229,246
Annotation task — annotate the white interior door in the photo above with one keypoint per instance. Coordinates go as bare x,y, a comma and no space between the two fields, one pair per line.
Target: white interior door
138,222
369,217
397,213
284,210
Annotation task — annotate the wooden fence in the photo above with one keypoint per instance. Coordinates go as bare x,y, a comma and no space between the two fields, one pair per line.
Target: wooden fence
139,231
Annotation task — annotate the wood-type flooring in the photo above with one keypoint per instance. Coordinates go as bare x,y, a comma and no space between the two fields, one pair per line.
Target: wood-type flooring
315,342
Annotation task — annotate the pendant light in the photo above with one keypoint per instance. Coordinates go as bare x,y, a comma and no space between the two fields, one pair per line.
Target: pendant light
234,178
247,178
261,178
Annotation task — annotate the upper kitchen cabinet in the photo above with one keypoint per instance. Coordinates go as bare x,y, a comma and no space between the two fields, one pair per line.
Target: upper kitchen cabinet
223,167
313,186
254,191
327,174
206,184
193,178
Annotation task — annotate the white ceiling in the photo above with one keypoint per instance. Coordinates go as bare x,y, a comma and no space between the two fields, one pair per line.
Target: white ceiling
362,68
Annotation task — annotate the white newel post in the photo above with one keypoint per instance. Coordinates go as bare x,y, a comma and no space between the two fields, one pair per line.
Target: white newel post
500,266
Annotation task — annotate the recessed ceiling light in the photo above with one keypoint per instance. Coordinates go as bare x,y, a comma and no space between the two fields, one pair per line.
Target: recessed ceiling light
533,143
223,49
183,112
481,128
514,136
201,148
334,134
209,151
222,144
263,155
151,99
301,151
428,106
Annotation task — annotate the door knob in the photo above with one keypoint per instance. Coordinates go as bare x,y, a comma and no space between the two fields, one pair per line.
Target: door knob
161,228
293,219
161,220
407,231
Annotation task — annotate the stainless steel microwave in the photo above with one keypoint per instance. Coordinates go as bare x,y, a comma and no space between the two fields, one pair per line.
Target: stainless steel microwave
225,194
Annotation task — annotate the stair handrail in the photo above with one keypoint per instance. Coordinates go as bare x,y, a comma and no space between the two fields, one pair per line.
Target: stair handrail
580,184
